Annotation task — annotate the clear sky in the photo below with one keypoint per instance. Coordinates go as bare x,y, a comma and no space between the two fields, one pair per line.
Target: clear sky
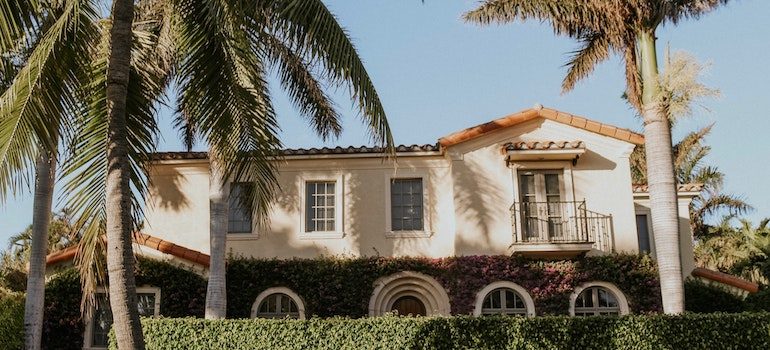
436,75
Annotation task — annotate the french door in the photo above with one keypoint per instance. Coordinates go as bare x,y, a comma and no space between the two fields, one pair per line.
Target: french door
542,205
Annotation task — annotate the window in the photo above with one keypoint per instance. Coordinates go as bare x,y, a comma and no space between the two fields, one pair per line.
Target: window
278,302
643,233
504,298
503,301
101,319
239,211
598,298
406,205
278,305
320,206
543,209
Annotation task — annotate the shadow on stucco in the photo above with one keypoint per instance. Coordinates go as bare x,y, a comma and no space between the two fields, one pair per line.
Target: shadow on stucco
170,195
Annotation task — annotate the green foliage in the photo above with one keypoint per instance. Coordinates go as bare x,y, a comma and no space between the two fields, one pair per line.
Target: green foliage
342,287
690,331
703,298
742,250
62,324
759,301
183,293
11,320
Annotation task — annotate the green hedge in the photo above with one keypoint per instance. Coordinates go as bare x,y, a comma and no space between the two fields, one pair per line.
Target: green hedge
342,287
704,298
690,331
11,320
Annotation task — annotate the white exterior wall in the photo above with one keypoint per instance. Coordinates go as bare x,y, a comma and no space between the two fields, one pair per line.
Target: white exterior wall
469,191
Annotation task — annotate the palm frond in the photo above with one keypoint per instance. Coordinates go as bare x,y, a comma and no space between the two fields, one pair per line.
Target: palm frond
224,97
85,171
315,31
595,48
42,92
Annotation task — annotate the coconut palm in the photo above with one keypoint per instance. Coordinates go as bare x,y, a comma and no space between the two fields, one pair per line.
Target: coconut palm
627,28
218,53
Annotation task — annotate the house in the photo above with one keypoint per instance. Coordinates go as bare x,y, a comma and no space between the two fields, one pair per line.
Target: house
540,183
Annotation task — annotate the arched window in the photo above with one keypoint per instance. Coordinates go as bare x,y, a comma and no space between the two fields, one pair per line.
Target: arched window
279,302
504,298
598,299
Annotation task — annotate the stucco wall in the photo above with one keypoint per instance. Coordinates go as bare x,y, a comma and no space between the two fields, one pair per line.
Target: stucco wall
469,191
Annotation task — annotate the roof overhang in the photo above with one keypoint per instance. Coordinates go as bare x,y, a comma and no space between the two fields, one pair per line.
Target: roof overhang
543,150
692,190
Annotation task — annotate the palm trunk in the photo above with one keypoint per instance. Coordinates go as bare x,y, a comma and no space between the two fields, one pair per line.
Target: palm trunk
661,180
216,294
41,218
120,255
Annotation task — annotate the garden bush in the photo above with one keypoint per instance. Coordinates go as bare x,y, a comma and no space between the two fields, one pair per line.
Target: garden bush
704,298
11,320
342,287
689,331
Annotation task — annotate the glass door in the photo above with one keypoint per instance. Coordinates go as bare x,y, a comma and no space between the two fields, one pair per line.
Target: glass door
542,209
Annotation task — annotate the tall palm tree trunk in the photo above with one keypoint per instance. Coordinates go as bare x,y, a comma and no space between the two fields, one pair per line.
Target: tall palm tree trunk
661,179
120,256
216,294
41,218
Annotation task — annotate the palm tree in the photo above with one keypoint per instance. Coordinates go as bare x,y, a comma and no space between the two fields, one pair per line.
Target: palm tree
628,28
218,53
743,250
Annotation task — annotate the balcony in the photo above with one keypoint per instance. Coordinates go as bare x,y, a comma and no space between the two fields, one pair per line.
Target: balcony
559,229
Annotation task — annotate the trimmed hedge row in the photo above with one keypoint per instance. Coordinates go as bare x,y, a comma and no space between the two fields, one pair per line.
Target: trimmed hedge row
11,320
342,287
690,331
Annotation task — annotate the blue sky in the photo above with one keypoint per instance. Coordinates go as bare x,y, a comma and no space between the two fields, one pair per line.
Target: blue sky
436,74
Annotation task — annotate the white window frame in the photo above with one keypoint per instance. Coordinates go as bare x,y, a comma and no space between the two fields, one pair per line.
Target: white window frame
88,333
426,205
339,202
279,290
529,304
619,296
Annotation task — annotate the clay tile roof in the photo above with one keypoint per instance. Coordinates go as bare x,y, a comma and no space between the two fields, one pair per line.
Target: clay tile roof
692,187
308,151
541,112
145,240
727,279
543,145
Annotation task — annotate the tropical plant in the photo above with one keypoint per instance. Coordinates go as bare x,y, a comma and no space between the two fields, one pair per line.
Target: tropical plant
682,91
626,28
217,53
743,250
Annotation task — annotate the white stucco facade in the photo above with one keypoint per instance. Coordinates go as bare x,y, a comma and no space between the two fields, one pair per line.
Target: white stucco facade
468,189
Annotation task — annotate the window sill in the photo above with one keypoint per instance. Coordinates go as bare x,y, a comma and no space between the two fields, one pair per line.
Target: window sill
242,236
321,235
408,234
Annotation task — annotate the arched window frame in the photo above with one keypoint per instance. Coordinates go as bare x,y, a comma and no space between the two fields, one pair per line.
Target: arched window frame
523,294
279,290
408,283
621,298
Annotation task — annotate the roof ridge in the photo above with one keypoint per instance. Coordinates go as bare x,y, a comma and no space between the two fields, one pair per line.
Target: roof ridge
473,132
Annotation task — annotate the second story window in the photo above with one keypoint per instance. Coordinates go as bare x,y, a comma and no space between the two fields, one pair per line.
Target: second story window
239,212
406,205
320,206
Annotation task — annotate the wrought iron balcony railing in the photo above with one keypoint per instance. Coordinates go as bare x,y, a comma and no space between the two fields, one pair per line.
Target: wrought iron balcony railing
561,222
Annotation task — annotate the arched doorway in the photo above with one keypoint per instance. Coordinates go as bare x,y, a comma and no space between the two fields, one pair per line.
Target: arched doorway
409,305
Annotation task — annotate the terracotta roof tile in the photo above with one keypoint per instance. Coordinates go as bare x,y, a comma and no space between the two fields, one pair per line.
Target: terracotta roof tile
145,240
541,112
543,145
692,187
308,151
727,279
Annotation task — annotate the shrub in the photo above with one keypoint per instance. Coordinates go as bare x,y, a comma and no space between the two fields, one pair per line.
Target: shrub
342,287
690,331
11,320
704,298
759,301
62,324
